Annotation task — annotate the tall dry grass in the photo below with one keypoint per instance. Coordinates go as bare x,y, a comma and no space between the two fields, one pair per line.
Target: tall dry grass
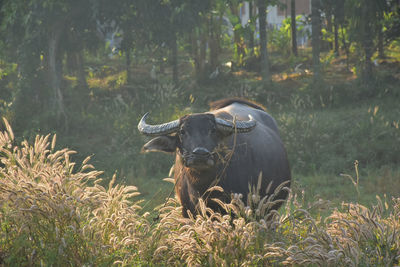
53,213
251,235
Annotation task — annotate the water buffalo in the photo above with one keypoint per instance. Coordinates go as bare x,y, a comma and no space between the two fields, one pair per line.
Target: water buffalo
228,146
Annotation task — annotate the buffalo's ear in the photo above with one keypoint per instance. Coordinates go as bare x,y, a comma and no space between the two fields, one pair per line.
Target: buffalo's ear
161,143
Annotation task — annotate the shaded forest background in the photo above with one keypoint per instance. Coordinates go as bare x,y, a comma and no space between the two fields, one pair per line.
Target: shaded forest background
336,100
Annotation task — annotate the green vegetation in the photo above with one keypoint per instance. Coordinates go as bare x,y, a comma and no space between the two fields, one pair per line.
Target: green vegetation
336,104
55,213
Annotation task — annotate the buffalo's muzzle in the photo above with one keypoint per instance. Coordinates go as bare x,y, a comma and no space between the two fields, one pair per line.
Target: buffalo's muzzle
201,151
200,158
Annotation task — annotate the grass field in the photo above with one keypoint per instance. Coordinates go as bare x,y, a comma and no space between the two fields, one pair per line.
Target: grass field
323,144
54,212
342,138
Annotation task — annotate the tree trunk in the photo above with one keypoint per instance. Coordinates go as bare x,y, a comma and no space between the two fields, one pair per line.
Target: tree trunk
128,65
251,32
367,64
346,48
174,62
213,43
381,51
55,74
75,59
202,53
329,28
126,46
293,26
315,37
195,52
161,63
367,42
239,47
336,35
81,69
237,38
262,12
199,46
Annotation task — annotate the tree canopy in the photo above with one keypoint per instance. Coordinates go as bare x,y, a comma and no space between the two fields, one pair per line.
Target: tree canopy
50,39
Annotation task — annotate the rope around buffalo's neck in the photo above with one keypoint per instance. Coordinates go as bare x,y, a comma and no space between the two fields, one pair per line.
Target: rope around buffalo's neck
214,183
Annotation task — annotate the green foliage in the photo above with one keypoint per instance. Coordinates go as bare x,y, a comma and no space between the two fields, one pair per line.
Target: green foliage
280,38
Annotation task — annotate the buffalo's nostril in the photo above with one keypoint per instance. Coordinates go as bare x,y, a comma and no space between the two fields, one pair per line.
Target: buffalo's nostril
201,151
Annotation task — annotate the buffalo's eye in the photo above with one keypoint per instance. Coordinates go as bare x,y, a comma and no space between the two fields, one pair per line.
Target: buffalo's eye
213,130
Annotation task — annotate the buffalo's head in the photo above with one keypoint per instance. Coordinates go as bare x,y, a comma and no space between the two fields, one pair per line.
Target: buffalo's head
194,137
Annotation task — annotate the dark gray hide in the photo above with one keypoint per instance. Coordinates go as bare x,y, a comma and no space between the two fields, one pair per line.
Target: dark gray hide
200,143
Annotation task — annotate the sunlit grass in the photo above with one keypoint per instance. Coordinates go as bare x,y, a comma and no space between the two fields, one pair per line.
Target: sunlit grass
55,213
393,52
111,81
338,187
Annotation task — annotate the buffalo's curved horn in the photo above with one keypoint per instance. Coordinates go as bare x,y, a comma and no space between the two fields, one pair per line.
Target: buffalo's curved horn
240,126
156,130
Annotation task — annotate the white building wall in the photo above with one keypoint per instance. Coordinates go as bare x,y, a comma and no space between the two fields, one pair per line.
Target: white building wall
272,16
273,20
244,14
